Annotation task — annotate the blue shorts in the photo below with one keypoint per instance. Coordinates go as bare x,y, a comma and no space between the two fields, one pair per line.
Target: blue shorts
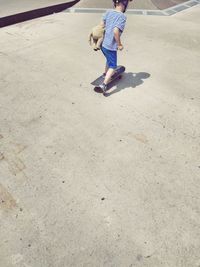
111,57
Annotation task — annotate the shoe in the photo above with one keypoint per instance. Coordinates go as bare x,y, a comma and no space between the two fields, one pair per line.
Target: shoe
103,87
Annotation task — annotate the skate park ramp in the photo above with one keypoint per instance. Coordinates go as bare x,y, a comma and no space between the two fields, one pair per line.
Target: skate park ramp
137,7
136,4
13,11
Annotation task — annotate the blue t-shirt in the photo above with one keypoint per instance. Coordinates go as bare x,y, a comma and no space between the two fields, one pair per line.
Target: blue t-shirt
112,19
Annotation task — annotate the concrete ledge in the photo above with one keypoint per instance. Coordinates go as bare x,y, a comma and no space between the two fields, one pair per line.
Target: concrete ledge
36,13
165,12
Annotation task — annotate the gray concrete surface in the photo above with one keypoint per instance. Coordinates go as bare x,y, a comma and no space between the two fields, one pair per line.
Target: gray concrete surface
10,7
92,181
136,4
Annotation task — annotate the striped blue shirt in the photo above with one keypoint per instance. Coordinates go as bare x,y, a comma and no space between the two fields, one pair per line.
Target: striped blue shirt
112,19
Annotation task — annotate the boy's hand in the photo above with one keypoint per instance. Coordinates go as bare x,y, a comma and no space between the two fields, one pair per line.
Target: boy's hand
120,47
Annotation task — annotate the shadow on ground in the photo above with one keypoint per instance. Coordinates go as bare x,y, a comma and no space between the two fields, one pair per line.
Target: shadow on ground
129,79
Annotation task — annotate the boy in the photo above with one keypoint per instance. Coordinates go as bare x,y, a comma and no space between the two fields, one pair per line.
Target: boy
114,22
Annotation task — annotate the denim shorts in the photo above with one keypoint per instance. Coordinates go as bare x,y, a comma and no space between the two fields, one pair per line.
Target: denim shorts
111,57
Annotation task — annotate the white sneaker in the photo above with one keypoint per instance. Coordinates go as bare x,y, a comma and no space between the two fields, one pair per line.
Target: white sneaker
103,87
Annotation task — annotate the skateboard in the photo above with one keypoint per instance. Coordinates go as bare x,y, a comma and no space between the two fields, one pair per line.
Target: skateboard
117,75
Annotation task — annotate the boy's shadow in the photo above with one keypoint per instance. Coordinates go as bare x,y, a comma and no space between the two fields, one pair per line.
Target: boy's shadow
129,79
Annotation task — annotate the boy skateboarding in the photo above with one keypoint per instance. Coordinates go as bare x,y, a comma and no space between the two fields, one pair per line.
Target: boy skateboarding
114,22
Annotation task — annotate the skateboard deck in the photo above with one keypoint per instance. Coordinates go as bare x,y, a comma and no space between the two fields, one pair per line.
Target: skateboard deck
118,72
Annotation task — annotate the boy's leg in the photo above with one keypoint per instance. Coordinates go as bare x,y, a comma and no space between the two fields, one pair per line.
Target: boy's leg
106,68
112,65
109,74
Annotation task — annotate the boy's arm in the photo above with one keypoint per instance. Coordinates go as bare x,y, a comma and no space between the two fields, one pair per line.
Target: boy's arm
117,38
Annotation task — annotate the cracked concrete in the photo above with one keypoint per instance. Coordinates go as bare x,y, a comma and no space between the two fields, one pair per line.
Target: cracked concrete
103,181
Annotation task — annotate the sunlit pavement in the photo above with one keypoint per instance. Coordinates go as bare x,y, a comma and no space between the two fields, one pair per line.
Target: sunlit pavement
88,180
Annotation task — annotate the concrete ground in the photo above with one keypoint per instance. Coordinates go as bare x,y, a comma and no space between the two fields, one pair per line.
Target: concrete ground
88,180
